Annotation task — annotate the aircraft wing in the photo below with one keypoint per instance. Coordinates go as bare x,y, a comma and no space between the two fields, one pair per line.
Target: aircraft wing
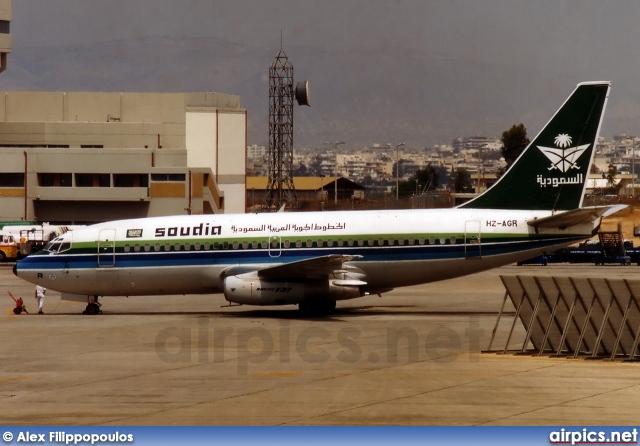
574,217
308,268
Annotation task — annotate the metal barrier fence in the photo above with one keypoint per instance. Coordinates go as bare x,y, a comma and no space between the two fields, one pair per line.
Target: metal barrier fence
565,316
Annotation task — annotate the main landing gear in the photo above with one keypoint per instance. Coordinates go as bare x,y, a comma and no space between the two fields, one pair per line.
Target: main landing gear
93,306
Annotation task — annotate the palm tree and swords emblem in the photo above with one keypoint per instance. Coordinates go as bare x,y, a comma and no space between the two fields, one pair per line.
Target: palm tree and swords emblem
563,157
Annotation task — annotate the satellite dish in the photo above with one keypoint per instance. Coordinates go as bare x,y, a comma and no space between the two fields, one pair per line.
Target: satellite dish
302,93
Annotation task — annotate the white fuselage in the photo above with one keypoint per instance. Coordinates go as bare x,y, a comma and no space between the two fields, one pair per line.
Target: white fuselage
192,254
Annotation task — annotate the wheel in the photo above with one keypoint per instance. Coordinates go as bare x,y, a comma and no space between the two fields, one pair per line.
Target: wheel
17,310
3,257
92,308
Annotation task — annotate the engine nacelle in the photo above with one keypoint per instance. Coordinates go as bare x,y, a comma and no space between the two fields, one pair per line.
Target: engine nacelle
251,290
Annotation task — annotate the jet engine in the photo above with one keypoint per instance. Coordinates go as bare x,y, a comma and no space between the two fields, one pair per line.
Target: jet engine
255,291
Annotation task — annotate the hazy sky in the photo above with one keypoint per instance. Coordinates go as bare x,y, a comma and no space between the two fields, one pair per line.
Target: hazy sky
422,70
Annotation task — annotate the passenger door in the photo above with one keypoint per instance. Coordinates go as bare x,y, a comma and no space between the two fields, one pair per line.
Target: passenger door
107,248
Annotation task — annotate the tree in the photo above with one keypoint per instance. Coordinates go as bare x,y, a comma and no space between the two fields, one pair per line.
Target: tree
429,176
514,142
611,176
315,166
462,181
397,166
300,171
423,180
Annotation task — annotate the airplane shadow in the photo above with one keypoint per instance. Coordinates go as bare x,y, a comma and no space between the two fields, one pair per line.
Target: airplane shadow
339,315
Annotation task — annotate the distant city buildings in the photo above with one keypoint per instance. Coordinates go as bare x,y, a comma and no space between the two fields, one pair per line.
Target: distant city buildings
480,156
376,163
256,152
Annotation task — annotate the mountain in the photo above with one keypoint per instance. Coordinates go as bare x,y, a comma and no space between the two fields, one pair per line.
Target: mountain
364,97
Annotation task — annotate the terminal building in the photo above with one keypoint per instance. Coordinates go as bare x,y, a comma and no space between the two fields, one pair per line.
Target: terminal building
83,157
5,34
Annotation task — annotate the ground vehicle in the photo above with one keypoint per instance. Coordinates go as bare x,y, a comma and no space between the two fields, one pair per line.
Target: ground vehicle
31,238
8,247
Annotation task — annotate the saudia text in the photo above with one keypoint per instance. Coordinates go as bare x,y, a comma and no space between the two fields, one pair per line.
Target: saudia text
555,182
183,231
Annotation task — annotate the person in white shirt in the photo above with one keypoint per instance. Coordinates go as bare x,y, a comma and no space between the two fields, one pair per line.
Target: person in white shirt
40,292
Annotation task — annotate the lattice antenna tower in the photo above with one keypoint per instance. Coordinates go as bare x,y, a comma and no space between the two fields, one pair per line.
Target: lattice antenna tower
280,187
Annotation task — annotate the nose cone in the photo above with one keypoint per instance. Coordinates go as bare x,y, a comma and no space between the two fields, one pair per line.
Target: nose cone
15,269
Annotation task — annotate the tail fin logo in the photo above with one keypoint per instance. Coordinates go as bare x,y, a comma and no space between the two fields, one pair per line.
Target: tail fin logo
563,157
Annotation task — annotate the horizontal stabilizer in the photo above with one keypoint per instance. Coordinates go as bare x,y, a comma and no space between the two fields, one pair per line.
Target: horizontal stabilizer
571,218
613,209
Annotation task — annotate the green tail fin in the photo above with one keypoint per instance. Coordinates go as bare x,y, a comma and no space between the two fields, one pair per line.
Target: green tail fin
551,173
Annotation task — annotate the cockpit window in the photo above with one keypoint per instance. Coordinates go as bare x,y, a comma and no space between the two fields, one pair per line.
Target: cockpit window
59,244
52,246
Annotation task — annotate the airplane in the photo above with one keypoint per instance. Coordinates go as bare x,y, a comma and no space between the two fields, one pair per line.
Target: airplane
314,259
